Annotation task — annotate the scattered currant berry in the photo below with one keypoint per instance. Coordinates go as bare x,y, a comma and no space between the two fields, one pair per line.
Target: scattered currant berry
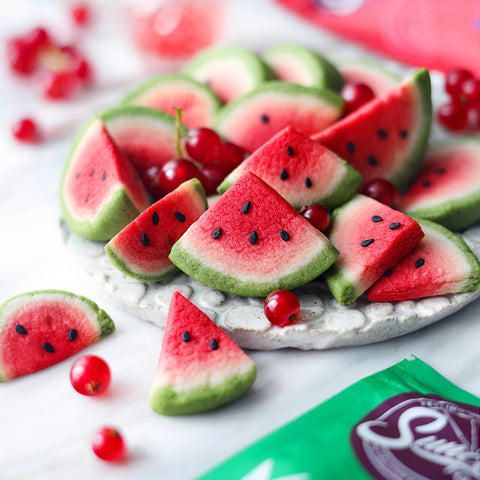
90,375
470,91
355,95
80,13
21,57
212,176
453,115
454,78
281,308
59,85
108,444
25,130
231,155
317,215
38,38
383,191
83,71
203,145
175,172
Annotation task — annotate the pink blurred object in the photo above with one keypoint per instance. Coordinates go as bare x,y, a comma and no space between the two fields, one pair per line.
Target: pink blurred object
437,34
175,29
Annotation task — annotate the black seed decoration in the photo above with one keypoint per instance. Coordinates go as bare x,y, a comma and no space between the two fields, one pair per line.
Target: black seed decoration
216,234
104,176
283,174
253,237
366,243
92,173
78,174
350,147
20,329
284,235
86,199
377,218
265,118
290,151
388,272
145,239
382,134
394,225
372,160
308,182
180,216
185,336
155,218
440,170
427,183
72,334
419,262
48,347
246,207
214,344
292,317
403,133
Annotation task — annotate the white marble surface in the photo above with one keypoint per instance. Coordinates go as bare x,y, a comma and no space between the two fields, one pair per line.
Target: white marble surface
45,426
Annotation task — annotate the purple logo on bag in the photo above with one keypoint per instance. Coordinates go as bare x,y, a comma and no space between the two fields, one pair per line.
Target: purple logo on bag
420,437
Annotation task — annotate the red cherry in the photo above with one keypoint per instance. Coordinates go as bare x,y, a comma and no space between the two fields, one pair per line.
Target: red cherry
281,308
231,155
21,57
175,172
453,115
317,215
108,444
383,191
454,78
470,91
473,113
203,145
212,176
25,130
90,375
80,13
59,85
355,95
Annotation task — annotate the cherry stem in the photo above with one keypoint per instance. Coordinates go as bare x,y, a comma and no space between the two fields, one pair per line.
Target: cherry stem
178,136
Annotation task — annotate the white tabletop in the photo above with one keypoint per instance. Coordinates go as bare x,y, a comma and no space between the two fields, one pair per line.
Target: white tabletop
45,426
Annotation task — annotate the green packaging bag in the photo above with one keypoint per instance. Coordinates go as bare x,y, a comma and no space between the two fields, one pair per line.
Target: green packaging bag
403,423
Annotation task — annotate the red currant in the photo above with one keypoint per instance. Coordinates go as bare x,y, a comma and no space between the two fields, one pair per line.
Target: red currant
203,145
231,155
90,375
453,115
175,172
25,130
83,71
470,91
80,13
355,95
281,308
108,444
383,191
59,85
212,176
454,78
38,38
21,57
317,215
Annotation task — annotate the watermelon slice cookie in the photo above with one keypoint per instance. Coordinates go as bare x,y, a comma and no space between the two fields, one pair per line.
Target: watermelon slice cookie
229,70
166,92
39,329
447,190
251,241
200,366
301,170
299,64
371,238
100,191
252,119
387,137
441,263
141,249
145,135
